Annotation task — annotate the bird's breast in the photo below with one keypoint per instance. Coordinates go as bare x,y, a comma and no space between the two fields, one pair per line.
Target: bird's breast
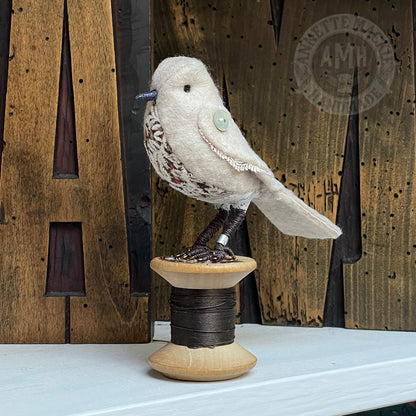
167,164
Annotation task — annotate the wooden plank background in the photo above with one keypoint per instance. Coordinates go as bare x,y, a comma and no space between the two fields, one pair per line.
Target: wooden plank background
381,286
250,52
93,198
106,198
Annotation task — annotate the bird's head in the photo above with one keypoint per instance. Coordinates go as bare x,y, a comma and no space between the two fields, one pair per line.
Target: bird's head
182,84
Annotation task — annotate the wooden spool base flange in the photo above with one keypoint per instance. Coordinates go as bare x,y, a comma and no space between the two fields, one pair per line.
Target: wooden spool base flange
203,364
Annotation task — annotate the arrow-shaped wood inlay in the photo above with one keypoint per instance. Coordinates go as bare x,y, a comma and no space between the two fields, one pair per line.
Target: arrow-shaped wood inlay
65,164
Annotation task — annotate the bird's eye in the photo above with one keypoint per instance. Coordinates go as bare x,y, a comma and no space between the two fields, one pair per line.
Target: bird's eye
187,88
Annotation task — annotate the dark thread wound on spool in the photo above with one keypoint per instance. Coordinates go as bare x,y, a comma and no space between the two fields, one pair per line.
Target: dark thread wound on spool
202,318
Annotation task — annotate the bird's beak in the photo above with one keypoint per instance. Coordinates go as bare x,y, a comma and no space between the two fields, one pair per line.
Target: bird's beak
147,96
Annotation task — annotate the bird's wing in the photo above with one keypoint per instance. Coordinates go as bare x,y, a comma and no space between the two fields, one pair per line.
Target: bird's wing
280,205
292,216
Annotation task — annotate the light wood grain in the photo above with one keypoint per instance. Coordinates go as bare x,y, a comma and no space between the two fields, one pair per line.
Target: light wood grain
109,302
31,199
203,275
202,364
29,133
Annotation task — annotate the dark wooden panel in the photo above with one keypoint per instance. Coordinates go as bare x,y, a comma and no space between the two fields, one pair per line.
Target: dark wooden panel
131,26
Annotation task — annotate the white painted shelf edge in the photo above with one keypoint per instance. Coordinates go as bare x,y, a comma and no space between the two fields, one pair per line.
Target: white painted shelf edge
300,372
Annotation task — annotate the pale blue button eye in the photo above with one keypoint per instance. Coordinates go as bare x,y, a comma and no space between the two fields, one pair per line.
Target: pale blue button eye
221,120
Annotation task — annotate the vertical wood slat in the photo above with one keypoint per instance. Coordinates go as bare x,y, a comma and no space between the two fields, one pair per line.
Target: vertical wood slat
110,303
380,288
31,199
131,25
32,93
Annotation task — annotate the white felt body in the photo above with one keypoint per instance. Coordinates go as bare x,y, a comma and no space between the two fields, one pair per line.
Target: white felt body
224,159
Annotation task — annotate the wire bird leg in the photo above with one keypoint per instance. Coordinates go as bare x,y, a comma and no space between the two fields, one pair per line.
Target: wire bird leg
200,251
235,218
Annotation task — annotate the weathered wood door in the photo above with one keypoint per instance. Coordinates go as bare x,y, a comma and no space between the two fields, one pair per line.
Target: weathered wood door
74,202
355,166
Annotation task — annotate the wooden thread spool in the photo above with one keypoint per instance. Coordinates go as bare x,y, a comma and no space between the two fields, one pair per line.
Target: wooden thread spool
203,363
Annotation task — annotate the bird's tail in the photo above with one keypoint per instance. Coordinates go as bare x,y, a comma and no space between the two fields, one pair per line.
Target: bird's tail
292,216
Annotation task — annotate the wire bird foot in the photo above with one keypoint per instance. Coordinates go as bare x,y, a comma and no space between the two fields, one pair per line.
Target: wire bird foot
200,253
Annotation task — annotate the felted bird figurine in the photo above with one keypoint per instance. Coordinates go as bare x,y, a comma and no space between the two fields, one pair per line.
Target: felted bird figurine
194,144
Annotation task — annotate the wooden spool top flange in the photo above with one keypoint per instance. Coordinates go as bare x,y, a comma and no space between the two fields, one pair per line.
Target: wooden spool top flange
203,275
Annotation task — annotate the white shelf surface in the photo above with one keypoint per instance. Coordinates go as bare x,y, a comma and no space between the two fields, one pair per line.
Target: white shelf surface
300,372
